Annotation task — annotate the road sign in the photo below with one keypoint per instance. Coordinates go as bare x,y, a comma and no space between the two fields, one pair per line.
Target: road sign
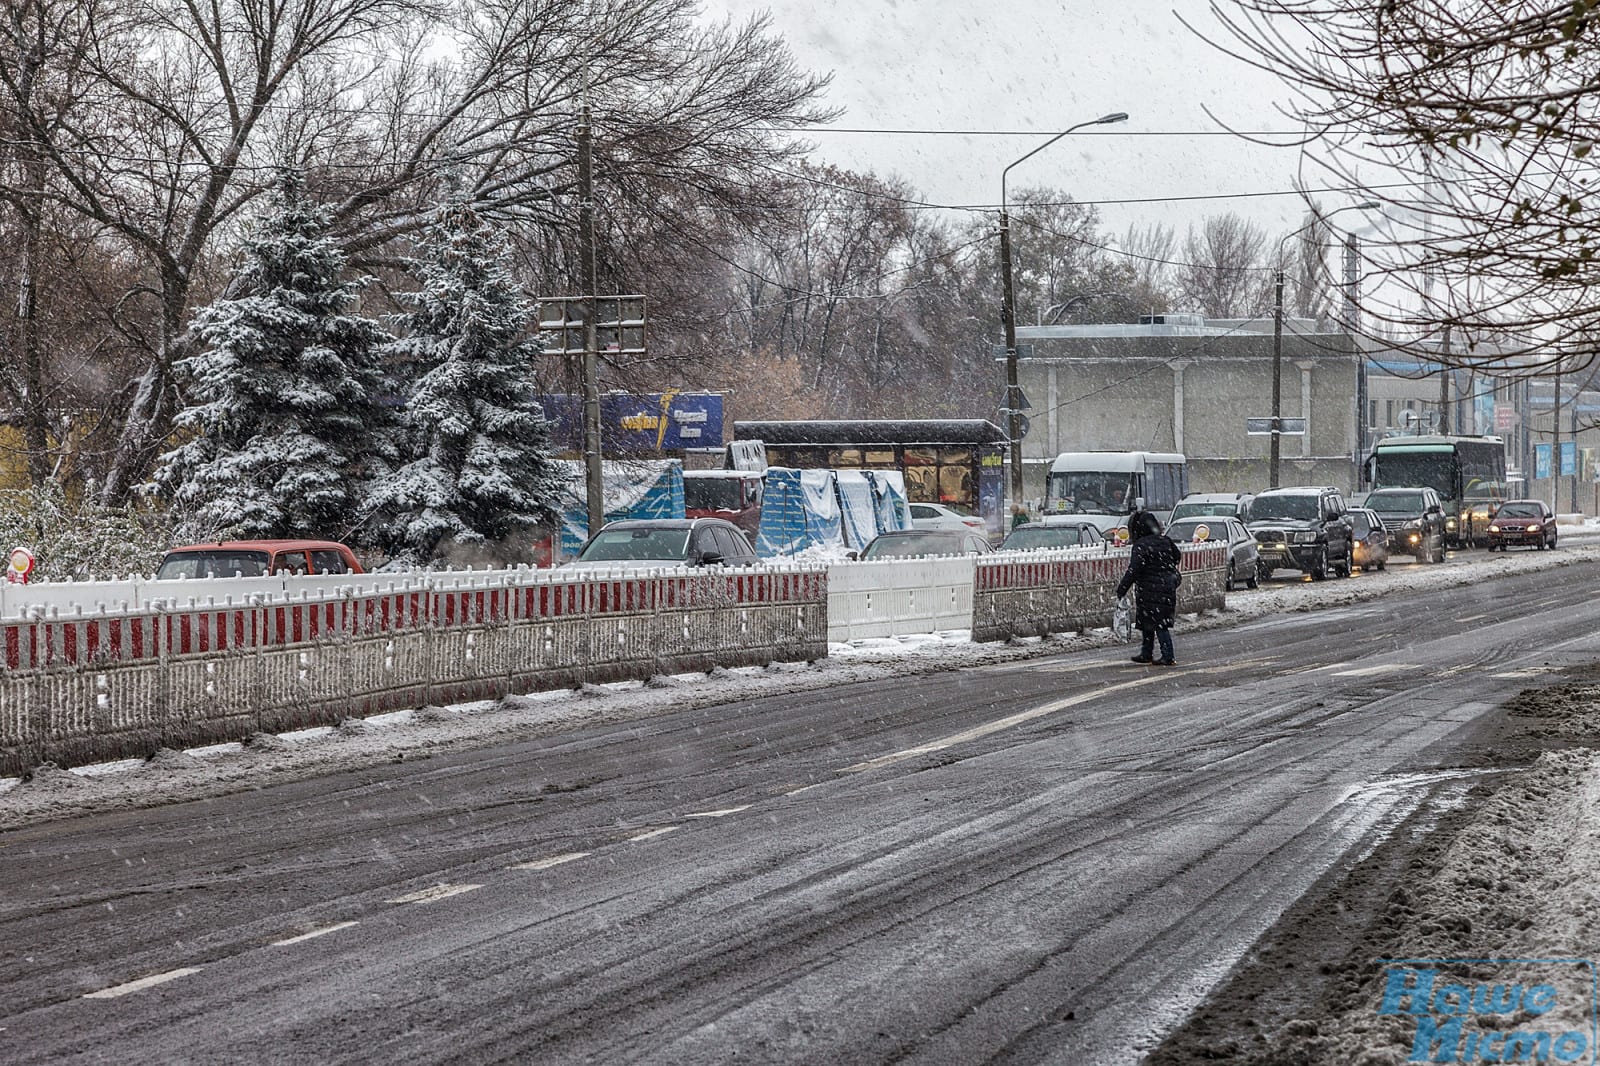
21,565
1287,427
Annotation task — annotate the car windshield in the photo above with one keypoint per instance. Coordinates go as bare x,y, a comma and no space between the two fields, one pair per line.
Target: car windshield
642,543
1186,530
913,545
1520,510
1292,507
1193,510
1396,502
225,563
711,493
1027,538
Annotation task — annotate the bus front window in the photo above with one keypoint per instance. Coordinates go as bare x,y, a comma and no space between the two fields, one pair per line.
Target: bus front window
1425,470
1091,491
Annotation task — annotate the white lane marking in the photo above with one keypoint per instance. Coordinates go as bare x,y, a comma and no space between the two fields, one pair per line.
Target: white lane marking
324,931
141,984
996,726
718,814
650,833
545,864
1366,671
1517,675
802,788
428,895
1473,618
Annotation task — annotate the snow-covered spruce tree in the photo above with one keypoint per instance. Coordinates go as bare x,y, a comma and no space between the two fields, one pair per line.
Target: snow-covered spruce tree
476,480
284,399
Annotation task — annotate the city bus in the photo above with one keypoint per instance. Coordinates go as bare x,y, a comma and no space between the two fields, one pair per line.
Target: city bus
1116,482
1468,473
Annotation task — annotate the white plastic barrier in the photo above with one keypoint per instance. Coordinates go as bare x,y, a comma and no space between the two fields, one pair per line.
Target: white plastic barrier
895,597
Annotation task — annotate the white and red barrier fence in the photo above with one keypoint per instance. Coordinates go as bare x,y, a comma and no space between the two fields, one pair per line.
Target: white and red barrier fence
176,664
114,683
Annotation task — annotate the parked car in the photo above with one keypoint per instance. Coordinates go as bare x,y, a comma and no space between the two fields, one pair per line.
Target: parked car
257,558
1052,531
1522,522
1371,539
917,543
1305,528
1244,559
938,516
1415,520
1113,527
1205,504
656,543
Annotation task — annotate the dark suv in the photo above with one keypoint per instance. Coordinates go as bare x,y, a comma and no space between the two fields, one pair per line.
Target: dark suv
1415,521
1306,528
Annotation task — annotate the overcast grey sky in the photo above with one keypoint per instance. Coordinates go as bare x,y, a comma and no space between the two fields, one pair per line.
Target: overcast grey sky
1045,65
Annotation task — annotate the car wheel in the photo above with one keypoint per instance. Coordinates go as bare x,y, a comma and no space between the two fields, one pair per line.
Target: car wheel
1349,562
1319,572
1231,581
1254,580
1263,571
1552,541
1383,564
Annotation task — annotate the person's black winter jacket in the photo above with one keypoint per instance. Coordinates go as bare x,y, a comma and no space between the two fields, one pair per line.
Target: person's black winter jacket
1153,569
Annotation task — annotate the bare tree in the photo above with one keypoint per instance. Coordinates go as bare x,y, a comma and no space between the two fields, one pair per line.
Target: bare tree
1480,118
1224,273
188,111
1151,253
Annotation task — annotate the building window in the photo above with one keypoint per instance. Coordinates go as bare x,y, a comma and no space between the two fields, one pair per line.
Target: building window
1388,414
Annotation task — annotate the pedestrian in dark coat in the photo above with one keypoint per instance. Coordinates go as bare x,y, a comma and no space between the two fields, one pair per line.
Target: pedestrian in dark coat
1153,570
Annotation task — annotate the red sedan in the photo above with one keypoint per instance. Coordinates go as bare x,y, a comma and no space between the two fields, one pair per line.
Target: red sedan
1522,522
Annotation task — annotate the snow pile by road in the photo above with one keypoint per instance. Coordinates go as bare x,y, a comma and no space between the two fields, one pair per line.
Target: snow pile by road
420,733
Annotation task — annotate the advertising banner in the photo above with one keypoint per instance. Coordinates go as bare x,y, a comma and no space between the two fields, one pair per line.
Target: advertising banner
1569,458
1541,460
638,423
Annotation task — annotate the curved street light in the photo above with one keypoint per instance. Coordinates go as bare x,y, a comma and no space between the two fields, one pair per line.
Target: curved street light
1277,336
1008,316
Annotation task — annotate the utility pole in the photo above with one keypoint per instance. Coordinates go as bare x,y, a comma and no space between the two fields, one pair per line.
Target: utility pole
1444,382
594,484
1352,323
1277,377
1555,445
1008,319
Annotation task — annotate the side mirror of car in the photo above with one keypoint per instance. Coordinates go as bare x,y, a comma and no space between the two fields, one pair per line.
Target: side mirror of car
711,559
853,556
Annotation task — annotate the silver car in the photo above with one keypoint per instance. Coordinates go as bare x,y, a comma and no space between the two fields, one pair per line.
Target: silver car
1244,563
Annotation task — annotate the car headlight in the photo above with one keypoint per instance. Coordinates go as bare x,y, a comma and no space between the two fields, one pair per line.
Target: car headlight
1450,523
1308,536
1533,529
1414,537
1494,529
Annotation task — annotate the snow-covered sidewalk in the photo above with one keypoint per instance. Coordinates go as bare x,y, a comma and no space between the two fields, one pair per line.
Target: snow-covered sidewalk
200,772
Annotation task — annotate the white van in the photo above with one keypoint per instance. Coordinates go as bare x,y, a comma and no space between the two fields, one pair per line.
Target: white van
1116,482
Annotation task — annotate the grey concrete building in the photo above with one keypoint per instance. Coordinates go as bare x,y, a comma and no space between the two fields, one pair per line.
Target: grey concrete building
1181,383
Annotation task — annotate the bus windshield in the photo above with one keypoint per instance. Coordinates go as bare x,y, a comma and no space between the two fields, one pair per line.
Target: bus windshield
1091,490
1433,470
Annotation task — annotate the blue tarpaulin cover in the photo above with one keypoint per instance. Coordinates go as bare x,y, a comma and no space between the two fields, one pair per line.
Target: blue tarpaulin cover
858,514
889,499
644,488
799,510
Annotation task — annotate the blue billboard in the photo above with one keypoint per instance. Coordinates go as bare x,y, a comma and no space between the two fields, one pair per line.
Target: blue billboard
1541,460
633,423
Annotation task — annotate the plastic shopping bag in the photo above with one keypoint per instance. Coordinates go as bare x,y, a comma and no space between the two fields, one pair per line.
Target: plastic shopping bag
1122,618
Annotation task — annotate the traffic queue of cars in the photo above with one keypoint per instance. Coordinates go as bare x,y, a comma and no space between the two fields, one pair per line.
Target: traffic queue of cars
1307,528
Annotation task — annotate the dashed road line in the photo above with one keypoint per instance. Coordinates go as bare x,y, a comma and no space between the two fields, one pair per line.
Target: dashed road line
996,726
718,814
803,788
545,864
324,931
1367,671
437,892
141,984
650,834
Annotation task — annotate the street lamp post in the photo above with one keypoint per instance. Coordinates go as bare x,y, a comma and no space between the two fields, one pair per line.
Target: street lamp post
1277,337
1008,310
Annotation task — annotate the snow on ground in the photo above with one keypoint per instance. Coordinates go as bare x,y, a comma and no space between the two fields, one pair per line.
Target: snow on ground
170,776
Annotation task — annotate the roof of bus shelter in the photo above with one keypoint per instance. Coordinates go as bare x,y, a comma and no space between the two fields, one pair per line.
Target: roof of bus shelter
874,431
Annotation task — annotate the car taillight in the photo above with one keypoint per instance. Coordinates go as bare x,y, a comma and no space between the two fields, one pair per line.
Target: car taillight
975,523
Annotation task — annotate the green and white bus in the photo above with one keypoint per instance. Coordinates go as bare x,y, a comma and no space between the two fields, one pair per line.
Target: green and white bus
1468,473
